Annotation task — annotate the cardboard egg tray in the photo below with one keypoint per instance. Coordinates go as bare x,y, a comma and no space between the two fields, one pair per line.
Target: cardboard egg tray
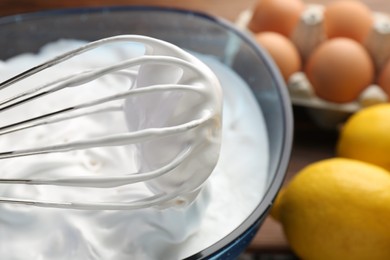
328,114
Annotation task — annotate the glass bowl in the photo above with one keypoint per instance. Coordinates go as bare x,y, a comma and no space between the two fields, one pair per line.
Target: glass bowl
193,31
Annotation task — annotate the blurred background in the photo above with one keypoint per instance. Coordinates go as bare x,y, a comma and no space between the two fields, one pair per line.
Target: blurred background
228,9
270,242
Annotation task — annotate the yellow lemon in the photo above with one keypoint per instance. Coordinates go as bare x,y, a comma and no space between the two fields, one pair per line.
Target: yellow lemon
337,209
366,136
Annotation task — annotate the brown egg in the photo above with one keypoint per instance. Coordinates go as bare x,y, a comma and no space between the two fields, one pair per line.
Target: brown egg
348,18
384,78
283,52
279,16
339,70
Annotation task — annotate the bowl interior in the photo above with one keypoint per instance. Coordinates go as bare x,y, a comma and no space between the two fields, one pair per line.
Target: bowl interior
192,31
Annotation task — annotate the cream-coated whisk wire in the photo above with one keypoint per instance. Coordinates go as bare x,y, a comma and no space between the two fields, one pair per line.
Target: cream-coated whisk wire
104,105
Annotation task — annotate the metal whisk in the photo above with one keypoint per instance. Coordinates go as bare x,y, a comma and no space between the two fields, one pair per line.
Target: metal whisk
177,145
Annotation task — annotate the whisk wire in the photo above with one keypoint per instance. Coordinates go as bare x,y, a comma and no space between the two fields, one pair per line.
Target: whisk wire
164,197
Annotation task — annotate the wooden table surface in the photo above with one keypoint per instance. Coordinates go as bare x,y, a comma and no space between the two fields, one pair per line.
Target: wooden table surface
310,142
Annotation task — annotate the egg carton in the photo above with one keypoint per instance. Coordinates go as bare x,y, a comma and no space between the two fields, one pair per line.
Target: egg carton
307,35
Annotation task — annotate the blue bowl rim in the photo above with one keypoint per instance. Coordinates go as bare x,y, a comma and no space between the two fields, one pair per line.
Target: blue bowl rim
275,184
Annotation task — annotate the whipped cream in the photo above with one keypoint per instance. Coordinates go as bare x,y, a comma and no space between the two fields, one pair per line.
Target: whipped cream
234,189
